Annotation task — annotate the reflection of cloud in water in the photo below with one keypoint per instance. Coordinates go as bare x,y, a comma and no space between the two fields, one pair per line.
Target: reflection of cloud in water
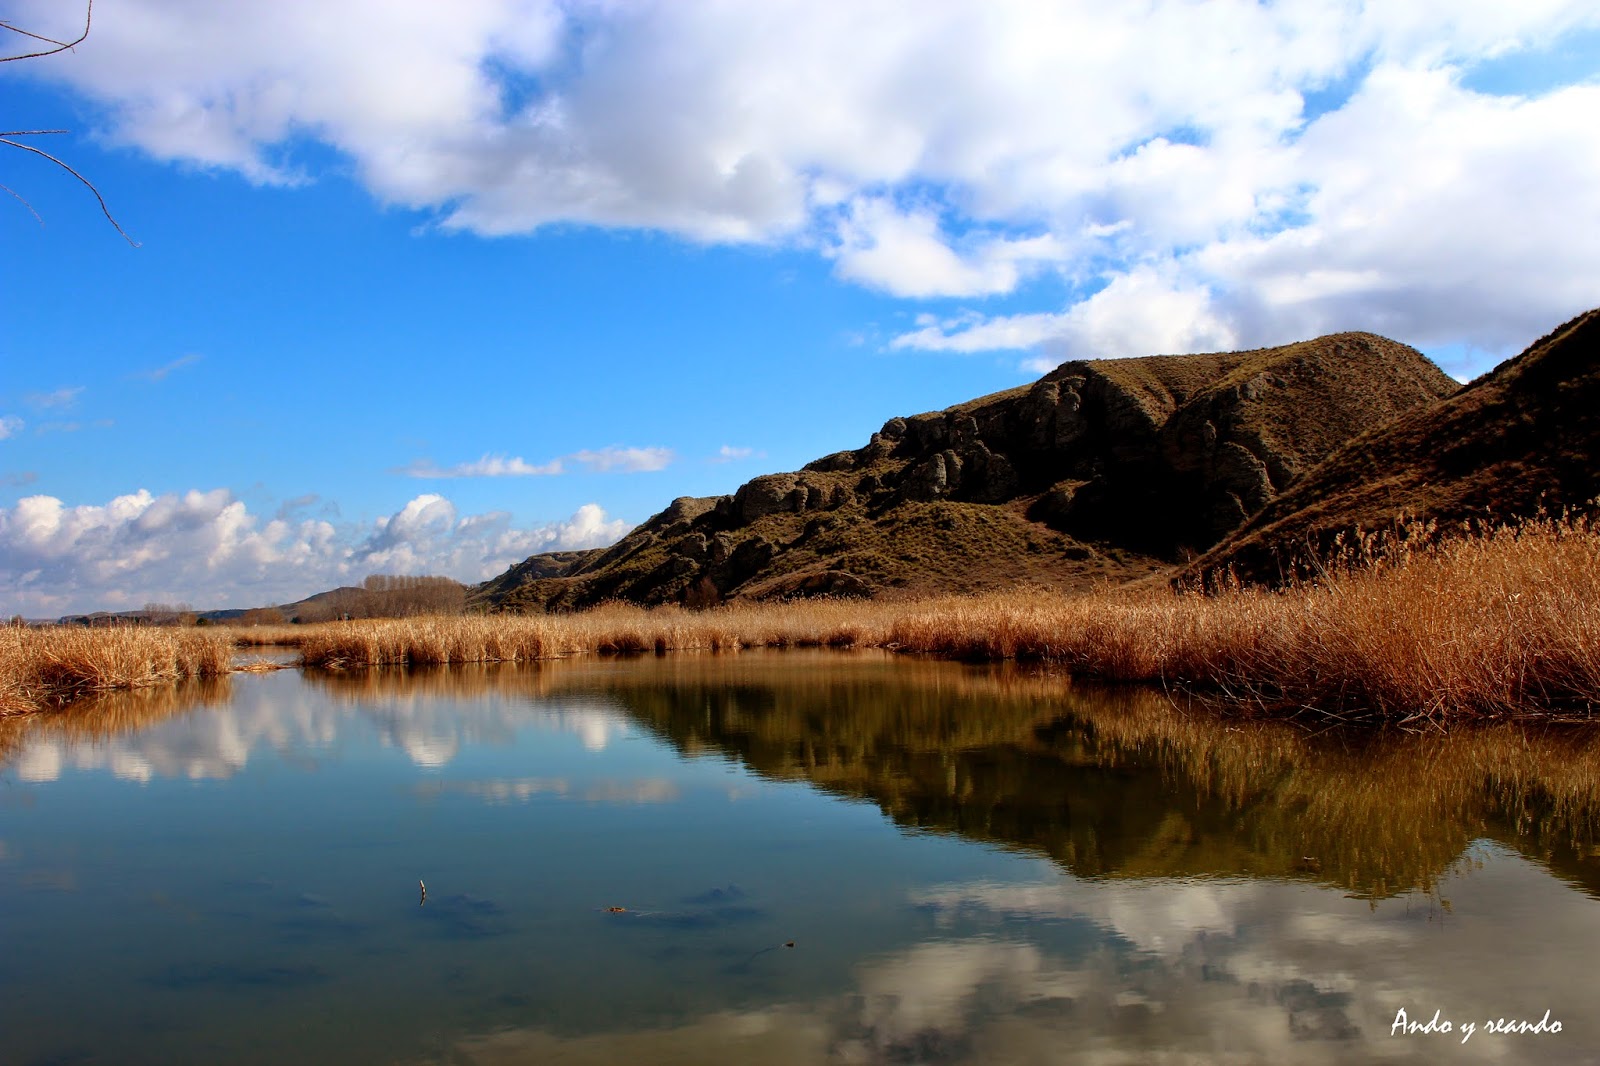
40,762
1155,916
197,745
645,790
281,714
1170,972
781,1036
428,751
498,791
917,1004
595,728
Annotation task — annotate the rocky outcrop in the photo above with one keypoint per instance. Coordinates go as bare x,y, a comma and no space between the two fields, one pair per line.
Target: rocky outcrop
1101,470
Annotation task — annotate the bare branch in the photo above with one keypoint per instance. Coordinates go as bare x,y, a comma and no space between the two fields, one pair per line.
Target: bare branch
18,197
60,46
7,135
105,210
29,33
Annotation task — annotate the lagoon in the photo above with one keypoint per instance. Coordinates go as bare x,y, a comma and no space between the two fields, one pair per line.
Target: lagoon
972,865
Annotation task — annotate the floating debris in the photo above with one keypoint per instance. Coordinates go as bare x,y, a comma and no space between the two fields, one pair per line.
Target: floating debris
756,955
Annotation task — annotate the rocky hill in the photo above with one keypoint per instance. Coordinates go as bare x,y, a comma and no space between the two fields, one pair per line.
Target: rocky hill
1102,470
1522,437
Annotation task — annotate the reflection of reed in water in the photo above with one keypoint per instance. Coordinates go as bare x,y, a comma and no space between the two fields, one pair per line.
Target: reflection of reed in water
103,716
1119,783
457,681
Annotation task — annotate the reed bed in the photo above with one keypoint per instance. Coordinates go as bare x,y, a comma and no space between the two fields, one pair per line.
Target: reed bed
266,636
610,630
1505,623
48,667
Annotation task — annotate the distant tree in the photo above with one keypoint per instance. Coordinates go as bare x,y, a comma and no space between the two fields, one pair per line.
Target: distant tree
8,137
403,596
167,614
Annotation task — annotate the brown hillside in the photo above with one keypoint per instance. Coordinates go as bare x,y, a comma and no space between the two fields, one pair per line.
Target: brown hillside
1522,437
1100,471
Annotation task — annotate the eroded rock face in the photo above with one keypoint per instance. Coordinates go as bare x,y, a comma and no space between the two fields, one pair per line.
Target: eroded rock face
1160,456
763,496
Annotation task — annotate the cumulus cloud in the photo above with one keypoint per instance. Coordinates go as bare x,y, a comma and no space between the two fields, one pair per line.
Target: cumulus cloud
1143,312
612,459
10,426
905,254
730,453
207,548
1281,167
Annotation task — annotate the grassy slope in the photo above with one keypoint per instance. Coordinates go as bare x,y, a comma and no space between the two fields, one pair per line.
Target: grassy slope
1523,436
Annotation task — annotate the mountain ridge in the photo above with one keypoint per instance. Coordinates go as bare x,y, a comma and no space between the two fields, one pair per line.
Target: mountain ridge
1099,471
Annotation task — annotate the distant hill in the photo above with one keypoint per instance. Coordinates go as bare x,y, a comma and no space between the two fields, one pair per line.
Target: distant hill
1100,471
1524,436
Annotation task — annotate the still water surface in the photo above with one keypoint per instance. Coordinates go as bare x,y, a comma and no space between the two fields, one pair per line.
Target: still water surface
972,866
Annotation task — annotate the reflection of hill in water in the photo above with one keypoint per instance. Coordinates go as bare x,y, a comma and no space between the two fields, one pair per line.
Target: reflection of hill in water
1109,783
1118,783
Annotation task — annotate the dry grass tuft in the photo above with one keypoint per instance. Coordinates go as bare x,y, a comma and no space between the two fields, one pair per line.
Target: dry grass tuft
44,667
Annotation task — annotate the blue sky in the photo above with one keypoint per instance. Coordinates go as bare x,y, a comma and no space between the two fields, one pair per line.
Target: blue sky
513,282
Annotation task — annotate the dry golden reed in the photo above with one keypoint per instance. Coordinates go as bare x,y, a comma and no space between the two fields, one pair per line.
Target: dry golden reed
1505,623
1501,624
44,667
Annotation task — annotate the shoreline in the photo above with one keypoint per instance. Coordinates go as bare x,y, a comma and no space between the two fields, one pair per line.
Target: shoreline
1504,624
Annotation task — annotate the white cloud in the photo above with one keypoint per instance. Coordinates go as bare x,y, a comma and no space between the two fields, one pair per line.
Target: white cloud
934,148
1143,312
10,426
906,255
730,453
488,466
605,460
206,548
625,460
